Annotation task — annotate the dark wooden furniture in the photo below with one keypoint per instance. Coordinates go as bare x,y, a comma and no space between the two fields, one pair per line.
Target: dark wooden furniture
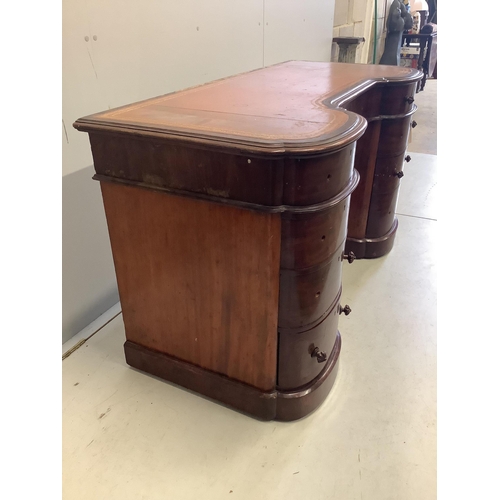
380,156
427,57
227,207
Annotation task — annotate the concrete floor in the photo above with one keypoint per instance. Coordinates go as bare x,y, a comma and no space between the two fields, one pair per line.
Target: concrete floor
424,135
127,435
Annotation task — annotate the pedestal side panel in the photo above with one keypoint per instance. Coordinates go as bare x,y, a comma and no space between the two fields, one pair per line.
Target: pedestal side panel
198,280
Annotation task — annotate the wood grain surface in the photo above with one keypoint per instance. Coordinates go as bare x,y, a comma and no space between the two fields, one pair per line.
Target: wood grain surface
197,280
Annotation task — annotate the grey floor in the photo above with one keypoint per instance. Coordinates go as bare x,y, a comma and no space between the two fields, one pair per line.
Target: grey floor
127,435
424,136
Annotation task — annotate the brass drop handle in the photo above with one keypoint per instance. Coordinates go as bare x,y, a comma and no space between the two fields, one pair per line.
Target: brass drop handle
399,174
350,257
319,355
407,158
409,100
346,310
413,124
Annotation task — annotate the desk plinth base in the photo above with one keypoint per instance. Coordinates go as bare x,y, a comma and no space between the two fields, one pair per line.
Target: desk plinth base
371,248
272,405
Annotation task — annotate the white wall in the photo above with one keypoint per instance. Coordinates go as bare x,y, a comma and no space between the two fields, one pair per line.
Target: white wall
355,18
117,52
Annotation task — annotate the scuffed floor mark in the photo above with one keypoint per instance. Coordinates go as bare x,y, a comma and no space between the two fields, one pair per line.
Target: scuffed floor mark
104,414
65,132
430,189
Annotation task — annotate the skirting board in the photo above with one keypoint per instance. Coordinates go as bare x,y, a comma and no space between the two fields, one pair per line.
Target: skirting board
81,337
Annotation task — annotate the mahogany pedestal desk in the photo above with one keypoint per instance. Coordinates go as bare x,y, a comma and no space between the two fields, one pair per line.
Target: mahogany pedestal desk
227,207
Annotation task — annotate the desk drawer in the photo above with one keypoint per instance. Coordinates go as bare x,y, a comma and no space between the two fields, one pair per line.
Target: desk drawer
394,134
296,366
309,239
306,296
315,179
390,166
397,99
177,167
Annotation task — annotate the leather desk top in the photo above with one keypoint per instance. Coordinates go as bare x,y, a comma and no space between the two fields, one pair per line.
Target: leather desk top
289,107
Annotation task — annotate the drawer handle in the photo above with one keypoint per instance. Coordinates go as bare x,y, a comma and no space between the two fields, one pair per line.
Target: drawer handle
409,100
413,124
399,174
350,257
407,158
346,310
319,355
